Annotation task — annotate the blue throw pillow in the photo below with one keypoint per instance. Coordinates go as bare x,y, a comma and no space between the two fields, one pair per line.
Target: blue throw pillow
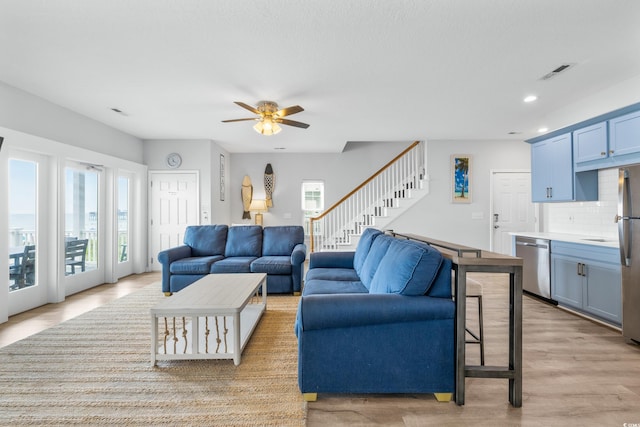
244,241
206,240
378,250
406,269
364,244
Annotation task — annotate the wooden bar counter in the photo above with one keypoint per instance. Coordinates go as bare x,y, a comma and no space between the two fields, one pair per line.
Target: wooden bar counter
467,260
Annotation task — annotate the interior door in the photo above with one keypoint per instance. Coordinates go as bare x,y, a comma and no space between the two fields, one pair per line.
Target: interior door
174,205
511,208
27,201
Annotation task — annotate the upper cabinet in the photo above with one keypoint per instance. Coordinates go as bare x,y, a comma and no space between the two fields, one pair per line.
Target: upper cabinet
552,176
551,170
590,143
624,135
565,163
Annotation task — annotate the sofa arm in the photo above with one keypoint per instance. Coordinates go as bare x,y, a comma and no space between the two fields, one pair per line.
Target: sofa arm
332,311
299,254
166,257
331,259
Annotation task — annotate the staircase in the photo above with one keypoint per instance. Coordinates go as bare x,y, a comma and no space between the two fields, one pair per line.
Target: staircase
375,203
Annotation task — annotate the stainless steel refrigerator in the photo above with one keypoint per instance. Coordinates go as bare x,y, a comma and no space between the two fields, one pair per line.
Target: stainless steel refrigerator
628,220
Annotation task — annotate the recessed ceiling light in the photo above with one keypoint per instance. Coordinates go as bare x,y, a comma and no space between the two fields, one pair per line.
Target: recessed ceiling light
279,148
515,132
530,98
542,130
119,111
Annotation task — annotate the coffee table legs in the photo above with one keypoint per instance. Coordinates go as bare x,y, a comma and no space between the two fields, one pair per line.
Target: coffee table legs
237,345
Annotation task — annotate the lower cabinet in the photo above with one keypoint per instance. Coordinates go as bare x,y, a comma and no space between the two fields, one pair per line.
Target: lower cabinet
587,278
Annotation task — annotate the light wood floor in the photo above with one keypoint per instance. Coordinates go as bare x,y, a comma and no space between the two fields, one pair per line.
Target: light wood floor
576,372
28,323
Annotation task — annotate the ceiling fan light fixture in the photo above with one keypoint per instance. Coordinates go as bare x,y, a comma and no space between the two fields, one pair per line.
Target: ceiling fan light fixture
267,126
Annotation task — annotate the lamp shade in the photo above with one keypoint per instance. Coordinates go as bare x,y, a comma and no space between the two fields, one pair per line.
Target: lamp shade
258,205
267,126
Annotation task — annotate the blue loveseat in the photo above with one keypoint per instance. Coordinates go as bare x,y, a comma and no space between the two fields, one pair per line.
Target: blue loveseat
377,320
278,251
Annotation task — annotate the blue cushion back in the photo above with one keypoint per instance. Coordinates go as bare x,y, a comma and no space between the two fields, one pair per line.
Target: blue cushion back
376,253
407,269
281,240
364,244
244,240
206,240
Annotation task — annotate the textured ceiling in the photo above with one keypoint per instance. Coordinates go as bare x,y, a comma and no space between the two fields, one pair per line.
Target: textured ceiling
363,70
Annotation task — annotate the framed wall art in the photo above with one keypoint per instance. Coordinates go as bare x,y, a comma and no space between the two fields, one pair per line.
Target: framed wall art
461,178
222,168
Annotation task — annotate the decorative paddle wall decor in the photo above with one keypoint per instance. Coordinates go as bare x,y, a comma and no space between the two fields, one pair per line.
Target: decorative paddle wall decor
247,195
269,184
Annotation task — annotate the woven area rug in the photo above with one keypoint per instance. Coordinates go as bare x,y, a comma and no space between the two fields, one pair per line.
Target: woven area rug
95,370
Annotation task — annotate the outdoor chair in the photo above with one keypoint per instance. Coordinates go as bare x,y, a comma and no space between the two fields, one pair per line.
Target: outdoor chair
75,255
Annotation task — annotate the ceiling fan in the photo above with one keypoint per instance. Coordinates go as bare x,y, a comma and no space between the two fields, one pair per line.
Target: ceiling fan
269,115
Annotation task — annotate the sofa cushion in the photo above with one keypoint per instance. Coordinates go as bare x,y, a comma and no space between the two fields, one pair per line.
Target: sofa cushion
406,269
364,245
244,241
194,265
238,264
377,252
347,274
206,240
280,240
272,265
318,287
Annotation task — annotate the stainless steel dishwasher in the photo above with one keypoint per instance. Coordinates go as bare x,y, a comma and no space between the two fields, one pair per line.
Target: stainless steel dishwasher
536,273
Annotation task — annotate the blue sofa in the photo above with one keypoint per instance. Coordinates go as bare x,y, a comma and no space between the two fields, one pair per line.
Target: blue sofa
377,320
278,251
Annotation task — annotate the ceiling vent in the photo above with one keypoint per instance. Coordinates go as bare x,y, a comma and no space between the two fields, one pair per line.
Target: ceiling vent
554,73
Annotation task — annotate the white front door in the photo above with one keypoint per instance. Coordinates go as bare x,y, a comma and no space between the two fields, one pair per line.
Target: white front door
174,205
511,208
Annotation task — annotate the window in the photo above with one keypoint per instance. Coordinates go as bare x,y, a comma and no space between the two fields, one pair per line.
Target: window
312,202
23,177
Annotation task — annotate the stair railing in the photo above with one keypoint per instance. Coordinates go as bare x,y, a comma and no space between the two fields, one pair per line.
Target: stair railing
357,209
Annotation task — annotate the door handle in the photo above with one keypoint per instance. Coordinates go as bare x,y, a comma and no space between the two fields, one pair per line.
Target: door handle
496,226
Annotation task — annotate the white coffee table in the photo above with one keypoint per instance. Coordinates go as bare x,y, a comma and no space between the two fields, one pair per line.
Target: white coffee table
213,308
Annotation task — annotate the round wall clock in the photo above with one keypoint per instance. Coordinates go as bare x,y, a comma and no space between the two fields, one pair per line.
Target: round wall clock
174,160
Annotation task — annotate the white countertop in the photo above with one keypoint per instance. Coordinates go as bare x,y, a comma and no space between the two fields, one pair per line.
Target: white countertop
605,241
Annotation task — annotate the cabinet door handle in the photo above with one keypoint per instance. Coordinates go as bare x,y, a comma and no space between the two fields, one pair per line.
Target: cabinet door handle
603,153
578,269
584,270
610,151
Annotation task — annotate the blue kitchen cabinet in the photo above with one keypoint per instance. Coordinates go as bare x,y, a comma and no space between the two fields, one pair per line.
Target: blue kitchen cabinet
590,143
552,170
587,278
552,176
624,135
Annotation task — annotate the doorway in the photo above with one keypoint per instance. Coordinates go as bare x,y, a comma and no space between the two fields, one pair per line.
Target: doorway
511,208
174,202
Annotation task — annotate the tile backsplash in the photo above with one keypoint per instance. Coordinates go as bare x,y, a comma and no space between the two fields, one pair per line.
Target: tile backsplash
587,218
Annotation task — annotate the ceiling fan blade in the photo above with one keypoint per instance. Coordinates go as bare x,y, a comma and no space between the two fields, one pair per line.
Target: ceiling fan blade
248,107
289,111
239,120
292,123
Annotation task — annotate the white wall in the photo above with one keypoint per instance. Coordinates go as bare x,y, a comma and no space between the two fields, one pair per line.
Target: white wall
203,156
341,173
436,216
32,115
